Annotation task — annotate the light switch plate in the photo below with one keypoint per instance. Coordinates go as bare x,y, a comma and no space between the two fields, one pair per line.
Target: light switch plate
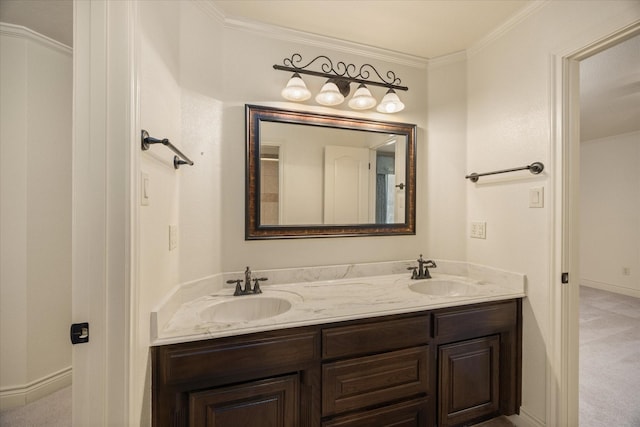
478,229
536,197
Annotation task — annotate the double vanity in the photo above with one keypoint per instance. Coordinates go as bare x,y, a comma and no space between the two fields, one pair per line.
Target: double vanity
354,345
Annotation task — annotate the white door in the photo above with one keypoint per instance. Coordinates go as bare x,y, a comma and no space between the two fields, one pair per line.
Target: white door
401,178
346,185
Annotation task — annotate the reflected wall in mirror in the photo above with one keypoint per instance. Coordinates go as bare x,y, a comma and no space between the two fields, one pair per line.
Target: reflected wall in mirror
316,175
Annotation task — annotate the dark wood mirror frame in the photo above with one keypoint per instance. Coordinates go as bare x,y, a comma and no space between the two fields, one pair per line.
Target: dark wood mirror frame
254,115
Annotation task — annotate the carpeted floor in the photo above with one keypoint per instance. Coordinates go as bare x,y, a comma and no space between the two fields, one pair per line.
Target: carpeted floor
609,359
53,410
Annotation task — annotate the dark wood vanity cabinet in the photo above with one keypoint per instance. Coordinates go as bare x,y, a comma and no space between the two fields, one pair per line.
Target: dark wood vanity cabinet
479,361
445,367
264,379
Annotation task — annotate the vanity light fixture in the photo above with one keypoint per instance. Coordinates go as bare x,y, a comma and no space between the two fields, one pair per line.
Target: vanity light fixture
337,87
362,99
330,94
296,90
390,103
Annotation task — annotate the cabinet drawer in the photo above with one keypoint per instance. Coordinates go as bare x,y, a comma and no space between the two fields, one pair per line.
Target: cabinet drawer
374,337
476,321
239,355
366,381
406,414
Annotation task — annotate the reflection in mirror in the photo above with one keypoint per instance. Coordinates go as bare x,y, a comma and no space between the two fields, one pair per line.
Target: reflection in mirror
316,175
270,175
312,175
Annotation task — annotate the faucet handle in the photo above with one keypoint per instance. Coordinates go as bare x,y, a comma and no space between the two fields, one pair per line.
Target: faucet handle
430,263
414,273
256,284
238,290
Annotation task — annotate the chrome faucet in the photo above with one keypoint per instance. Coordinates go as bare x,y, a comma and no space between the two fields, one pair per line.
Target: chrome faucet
422,272
248,290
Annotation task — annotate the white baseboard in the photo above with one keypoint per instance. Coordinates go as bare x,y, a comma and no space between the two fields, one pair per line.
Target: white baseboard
525,419
611,288
11,397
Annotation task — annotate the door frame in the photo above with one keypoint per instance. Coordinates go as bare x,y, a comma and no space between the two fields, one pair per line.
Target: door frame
104,216
563,375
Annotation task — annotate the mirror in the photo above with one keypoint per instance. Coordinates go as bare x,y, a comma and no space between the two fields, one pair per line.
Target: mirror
316,175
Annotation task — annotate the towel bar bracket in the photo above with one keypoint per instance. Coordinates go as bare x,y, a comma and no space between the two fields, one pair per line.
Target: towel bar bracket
180,159
177,161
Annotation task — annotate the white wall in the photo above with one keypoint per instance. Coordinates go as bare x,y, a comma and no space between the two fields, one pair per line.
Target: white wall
180,74
35,219
610,213
509,124
446,138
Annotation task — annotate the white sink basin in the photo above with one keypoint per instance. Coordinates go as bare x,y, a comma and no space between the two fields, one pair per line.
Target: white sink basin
245,309
444,288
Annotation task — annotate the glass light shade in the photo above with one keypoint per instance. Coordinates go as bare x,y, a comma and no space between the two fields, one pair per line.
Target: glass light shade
390,103
362,99
329,95
296,90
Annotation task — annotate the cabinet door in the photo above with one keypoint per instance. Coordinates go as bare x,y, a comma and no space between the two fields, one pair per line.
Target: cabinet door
266,403
469,380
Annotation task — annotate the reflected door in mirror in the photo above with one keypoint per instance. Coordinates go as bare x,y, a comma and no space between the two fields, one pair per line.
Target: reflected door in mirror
346,185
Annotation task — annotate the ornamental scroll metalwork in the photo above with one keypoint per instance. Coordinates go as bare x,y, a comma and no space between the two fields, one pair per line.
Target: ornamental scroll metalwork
341,70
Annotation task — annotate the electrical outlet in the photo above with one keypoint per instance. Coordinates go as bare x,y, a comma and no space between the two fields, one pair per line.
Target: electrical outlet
478,229
626,271
173,237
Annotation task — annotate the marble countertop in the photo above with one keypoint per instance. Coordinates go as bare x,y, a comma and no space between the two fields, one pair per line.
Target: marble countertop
326,301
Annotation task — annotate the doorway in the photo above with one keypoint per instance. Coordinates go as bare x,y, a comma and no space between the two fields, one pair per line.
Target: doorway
565,398
36,86
609,355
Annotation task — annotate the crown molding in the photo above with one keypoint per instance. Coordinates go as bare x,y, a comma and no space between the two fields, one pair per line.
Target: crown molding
507,26
311,39
208,7
18,31
316,40
443,60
